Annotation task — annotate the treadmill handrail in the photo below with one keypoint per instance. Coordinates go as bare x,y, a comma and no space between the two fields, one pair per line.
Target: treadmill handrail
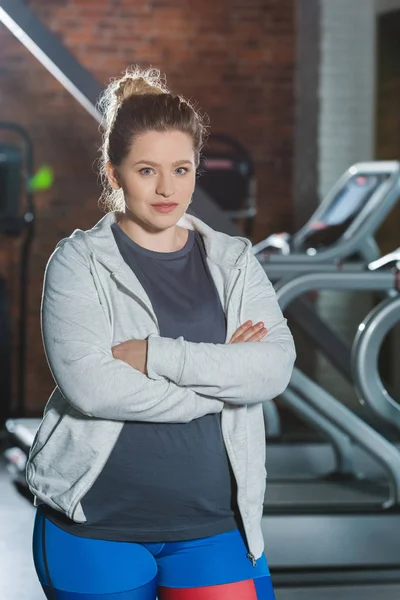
392,257
368,251
365,356
285,271
363,281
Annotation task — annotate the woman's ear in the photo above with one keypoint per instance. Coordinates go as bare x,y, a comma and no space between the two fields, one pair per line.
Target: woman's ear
112,176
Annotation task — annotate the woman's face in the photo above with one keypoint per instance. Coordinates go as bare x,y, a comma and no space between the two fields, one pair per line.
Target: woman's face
159,169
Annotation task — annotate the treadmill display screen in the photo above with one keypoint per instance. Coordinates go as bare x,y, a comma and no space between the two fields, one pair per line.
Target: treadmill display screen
342,211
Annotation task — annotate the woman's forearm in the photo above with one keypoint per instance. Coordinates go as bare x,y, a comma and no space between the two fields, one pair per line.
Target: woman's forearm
243,373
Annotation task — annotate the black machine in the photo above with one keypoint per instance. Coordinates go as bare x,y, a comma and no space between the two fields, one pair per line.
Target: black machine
16,219
227,175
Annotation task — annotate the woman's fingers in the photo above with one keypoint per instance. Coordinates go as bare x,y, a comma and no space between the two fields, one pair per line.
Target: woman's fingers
253,333
249,333
258,336
241,330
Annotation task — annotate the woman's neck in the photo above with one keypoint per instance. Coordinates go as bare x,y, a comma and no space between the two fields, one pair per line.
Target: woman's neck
168,240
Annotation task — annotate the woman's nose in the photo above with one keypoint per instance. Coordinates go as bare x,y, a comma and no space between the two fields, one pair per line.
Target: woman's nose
165,187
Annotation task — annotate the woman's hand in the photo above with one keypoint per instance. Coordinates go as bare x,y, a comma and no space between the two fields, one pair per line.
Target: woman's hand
249,333
134,353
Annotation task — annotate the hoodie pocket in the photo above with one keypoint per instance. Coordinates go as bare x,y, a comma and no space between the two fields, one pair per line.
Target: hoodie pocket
47,429
69,454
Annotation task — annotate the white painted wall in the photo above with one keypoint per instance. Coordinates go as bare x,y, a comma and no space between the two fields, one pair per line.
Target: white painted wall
347,84
347,87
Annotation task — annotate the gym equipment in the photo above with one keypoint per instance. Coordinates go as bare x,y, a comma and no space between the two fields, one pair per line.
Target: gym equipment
308,538
327,524
340,230
15,220
227,175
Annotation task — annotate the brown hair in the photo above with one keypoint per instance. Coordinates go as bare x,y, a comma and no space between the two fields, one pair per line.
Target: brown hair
137,102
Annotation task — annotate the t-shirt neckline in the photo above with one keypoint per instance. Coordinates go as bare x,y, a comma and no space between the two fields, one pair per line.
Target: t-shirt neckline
152,253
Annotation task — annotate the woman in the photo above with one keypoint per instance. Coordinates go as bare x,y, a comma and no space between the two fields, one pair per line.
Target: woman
148,469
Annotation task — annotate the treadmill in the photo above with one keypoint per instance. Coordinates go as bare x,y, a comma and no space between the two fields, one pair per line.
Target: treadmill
343,525
337,481
340,232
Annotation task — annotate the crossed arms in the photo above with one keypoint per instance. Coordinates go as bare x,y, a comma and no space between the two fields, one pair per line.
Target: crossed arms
185,380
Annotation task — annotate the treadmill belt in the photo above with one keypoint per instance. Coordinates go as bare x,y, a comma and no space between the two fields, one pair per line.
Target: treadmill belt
324,496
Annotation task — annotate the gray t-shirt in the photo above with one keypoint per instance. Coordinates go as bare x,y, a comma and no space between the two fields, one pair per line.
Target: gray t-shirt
166,481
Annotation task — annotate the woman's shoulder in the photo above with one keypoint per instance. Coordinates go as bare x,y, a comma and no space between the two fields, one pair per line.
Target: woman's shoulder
68,251
79,241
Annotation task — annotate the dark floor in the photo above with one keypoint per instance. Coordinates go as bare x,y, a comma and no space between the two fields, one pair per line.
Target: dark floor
18,578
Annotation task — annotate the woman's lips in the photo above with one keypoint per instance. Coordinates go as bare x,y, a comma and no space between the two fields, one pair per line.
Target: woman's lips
164,208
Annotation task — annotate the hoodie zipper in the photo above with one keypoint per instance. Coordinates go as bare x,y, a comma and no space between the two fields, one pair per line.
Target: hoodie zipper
231,287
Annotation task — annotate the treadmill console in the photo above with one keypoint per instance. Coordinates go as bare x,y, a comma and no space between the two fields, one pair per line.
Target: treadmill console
344,223
339,214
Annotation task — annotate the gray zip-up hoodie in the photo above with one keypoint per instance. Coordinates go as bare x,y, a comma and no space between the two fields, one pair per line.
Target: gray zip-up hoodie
93,301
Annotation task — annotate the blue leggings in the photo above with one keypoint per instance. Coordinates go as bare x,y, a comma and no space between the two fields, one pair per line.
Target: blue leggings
209,568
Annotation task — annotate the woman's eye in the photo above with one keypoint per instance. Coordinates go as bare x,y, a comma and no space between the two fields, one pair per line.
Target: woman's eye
149,171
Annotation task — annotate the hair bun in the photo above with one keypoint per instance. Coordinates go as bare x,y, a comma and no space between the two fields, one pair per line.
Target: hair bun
137,82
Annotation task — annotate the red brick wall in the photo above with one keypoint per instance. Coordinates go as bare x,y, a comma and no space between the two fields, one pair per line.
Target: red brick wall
236,58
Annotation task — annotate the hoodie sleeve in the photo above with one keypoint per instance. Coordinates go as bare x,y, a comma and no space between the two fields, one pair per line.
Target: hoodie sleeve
241,373
78,345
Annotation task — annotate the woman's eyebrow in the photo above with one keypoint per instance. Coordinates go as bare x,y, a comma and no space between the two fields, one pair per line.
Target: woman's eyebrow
153,164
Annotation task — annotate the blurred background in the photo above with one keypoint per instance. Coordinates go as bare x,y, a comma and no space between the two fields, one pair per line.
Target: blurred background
297,92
